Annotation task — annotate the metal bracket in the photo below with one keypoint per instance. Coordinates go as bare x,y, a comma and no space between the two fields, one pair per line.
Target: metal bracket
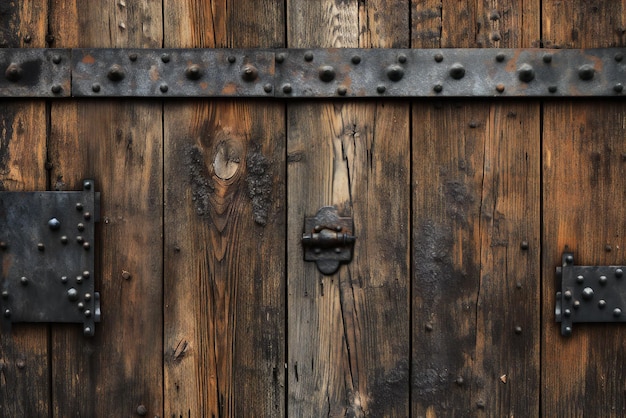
589,294
47,257
313,73
328,239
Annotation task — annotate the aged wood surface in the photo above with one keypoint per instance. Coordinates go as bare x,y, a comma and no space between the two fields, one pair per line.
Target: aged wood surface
583,189
24,362
476,185
119,145
348,334
225,229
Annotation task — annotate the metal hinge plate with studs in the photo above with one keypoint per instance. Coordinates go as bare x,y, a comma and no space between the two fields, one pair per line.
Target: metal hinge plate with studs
589,294
47,252
328,239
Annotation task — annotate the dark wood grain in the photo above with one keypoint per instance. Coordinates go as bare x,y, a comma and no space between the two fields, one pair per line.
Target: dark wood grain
225,229
476,180
348,338
119,145
583,189
24,362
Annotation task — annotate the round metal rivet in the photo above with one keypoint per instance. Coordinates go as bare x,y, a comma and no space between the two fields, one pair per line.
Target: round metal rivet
619,57
428,327
619,273
341,90
586,72
268,88
165,57
80,306
79,206
116,73
500,57
576,304
79,279
56,59
87,185
518,330
64,239
308,56
569,259
438,57
580,279
287,88
457,71
438,88
547,58
86,246
552,89
72,294
41,247
395,72
7,313
142,410
87,297
13,72
56,89
27,39
603,280
567,313
86,274
87,331
567,294
526,73
54,224
95,87
618,88
518,285
524,245
249,73
500,88
601,304
5,294
80,239
381,89
87,313
132,56
64,279
356,60
164,88
280,58
81,227
617,312
232,59
567,331
326,73
401,58
193,72
587,293
3,245
87,216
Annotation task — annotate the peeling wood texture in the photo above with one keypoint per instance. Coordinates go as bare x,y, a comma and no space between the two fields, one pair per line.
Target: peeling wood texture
476,198
348,333
24,356
583,189
119,145
225,229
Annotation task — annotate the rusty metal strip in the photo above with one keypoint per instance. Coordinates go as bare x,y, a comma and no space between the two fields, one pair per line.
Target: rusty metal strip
313,73
35,73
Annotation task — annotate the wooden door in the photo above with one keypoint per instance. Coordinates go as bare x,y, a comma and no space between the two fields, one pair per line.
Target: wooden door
461,207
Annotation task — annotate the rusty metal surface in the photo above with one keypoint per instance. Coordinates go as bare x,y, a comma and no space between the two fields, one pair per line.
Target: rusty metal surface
313,73
589,294
172,72
47,257
35,72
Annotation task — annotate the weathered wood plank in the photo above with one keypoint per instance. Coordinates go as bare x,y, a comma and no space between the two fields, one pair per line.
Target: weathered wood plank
225,229
24,362
476,198
583,164
119,144
348,334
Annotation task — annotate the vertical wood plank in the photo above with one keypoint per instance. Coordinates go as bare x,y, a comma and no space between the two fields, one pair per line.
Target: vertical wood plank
119,144
24,362
348,334
583,189
225,229
476,174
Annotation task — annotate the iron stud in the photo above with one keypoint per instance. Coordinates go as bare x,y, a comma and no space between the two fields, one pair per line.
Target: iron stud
438,88
142,410
617,312
164,88
569,259
86,274
308,56
438,57
132,56
13,72
547,58
567,313
280,58
54,224
587,293
87,331
401,58
619,57
341,90
526,73
27,39
457,71
56,89
193,72
601,304
500,56
268,88
524,245
326,73
79,279
603,280
86,246
287,88
79,206
72,294
64,239
567,331
586,72
80,227
87,297
552,89
576,304
165,58
87,216
5,294
428,327
381,89
395,72
87,185
580,279
56,59
619,273
500,88
618,88
249,73
116,73
356,60
7,313
41,247
95,87
80,306
87,313
232,59
567,294
64,279
80,239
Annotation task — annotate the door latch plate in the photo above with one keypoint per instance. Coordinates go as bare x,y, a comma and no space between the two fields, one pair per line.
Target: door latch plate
328,239
47,257
589,294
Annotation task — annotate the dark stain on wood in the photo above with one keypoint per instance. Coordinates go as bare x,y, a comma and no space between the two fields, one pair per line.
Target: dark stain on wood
200,180
389,388
7,117
459,200
9,24
259,185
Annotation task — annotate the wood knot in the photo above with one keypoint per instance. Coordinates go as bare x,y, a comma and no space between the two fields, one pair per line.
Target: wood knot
227,159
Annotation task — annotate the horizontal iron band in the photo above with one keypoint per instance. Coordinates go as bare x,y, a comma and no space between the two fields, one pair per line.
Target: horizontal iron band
312,73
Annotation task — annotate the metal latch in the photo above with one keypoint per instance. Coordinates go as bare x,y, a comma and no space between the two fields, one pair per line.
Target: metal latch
589,294
47,257
328,239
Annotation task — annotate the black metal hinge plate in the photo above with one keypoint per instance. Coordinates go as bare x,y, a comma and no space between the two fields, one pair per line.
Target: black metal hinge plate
47,257
313,73
589,294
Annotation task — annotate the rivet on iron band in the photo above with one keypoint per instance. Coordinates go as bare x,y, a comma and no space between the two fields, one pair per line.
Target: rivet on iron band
457,71
193,72
72,294
87,297
576,304
500,88
79,207
80,306
3,245
526,73
619,273
54,224
79,279
401,58
249,73
87,216
438,88
164,88
381,89
280,58
63,279
308,56
617,312
13,72
287,88
56,89
569,259
587,293
87,185
586,72
580,279
567,331
326,73
56,59
618,88
232,59
567,313
80,239
603,280
24,280
132,56
5,294
619,57
547,58
500,56
87,331
567,295
518,330
7,313
356,60
41,247
64,239
87,313
438,57
116,73
341,90
95,87
86,246
395,72
268,88
552,89
601,304
165,58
